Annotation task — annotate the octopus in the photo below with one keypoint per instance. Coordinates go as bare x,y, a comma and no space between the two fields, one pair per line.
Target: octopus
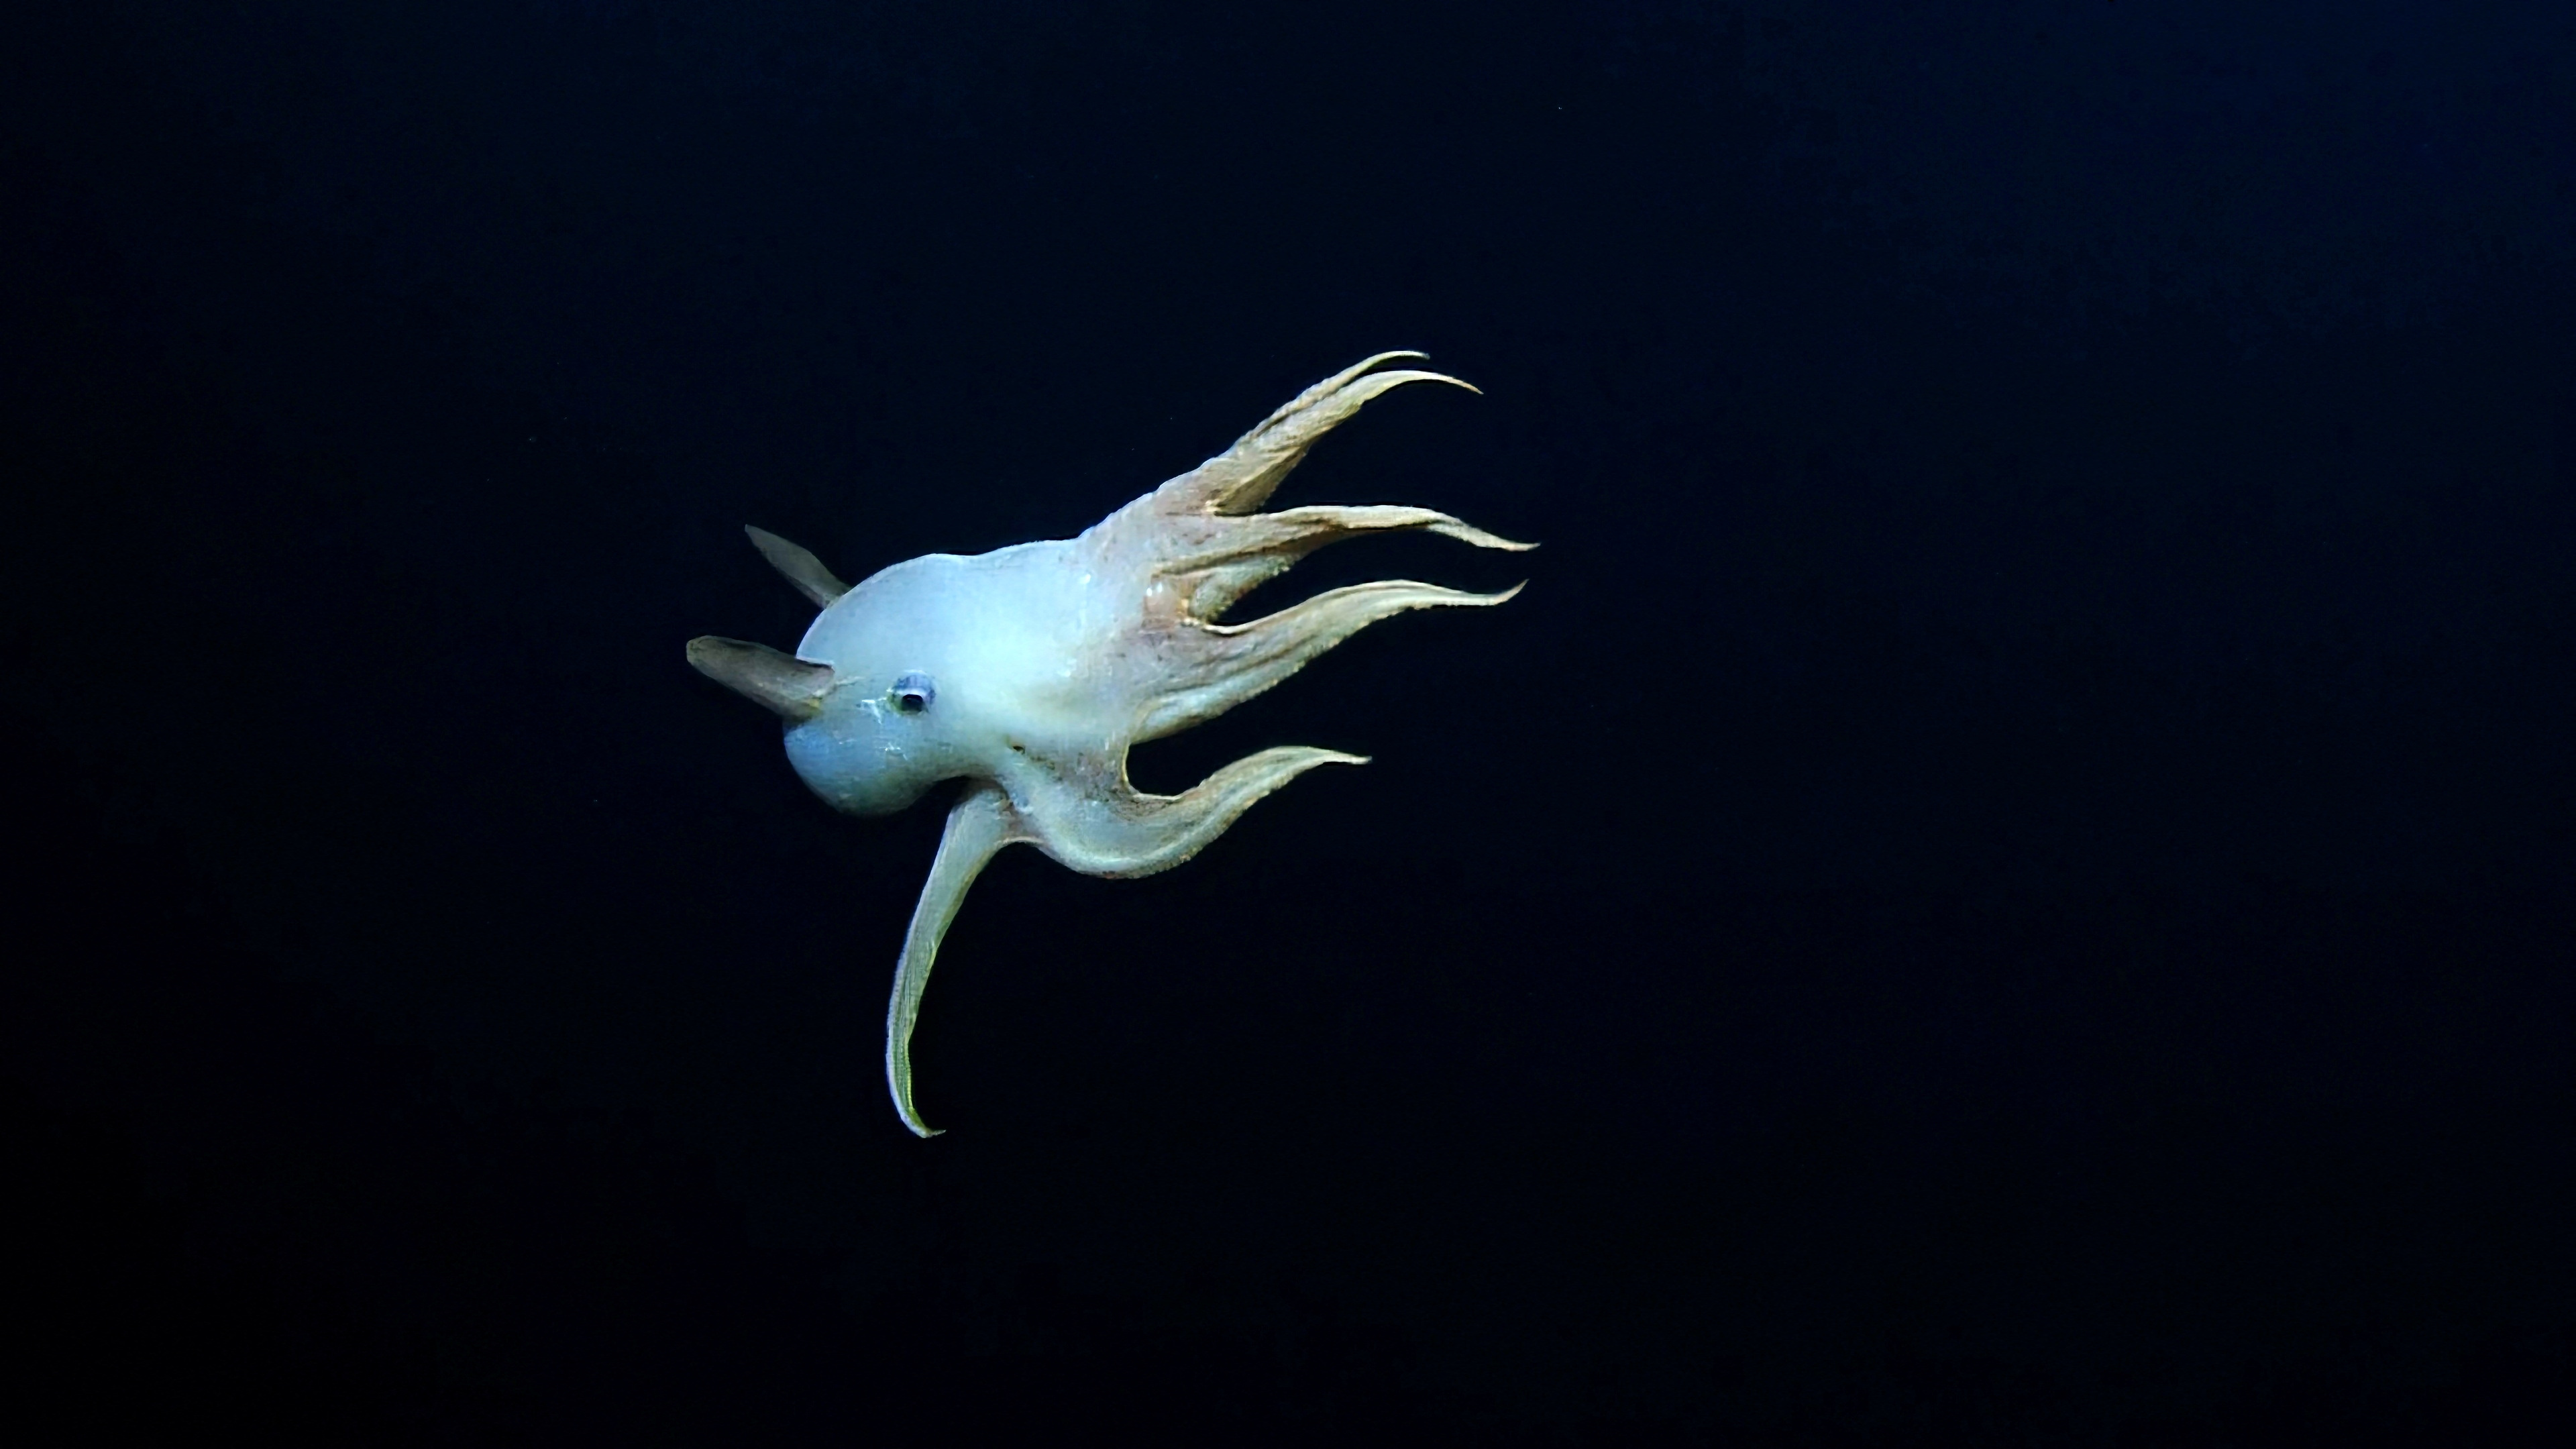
1030,671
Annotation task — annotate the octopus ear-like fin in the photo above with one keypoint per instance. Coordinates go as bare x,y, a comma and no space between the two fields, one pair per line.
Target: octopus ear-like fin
1243,477
979,825
783,683
803,570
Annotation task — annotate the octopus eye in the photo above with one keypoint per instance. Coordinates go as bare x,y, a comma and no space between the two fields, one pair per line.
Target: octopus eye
912,693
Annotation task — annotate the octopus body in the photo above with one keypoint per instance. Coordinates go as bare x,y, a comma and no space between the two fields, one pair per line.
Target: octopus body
1030,671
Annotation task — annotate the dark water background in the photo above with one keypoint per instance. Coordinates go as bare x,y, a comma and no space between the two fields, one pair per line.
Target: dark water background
2011,879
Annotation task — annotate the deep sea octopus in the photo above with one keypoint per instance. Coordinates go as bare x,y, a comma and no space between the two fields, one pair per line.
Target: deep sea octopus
1030,671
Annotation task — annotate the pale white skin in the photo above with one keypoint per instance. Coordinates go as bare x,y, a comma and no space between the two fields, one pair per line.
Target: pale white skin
1029,671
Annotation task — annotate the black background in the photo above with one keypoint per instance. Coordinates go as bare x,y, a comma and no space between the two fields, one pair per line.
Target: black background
2008,880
